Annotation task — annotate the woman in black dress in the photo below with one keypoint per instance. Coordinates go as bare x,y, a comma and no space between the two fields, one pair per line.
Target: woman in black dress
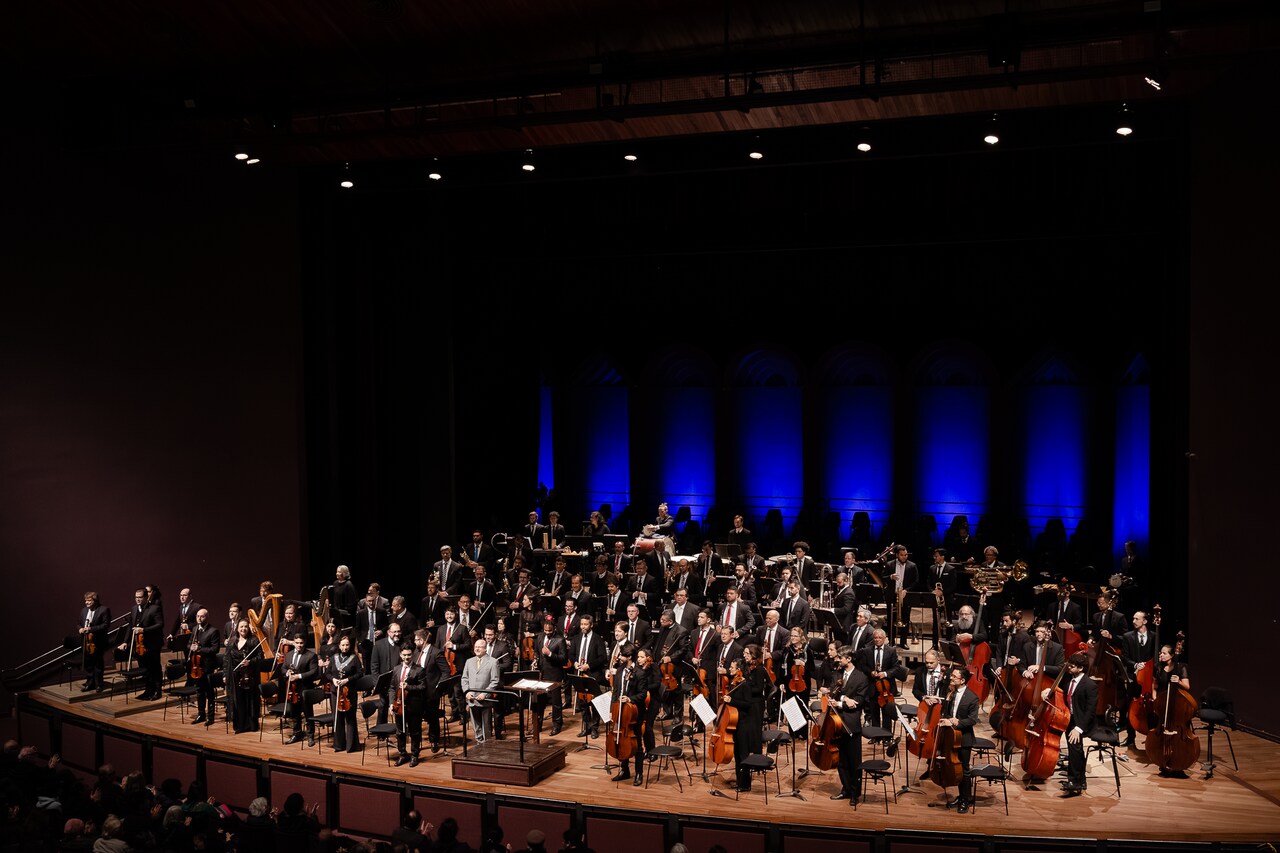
344,669
748,698
243,699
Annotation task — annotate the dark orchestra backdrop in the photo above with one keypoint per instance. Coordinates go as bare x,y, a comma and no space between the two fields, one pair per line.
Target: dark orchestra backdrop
211,378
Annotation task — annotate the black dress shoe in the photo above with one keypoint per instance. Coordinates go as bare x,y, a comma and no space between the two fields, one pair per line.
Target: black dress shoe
582,733
143,696
622,775
311,741
639,780
413,762
198,720
595,732
208,722
435,747
402,761
85,688
963,807
840,795
1072,791
295,739
353,749
555,729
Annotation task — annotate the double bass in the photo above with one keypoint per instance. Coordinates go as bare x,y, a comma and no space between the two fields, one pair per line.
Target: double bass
1142,708
977,656
1172,744
1045,725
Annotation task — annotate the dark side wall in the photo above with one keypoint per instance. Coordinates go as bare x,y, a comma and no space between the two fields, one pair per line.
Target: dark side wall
150,373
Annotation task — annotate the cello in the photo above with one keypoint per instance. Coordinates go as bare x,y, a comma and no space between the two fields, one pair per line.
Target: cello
1142,708
827,728
620,732
721,747
1172,744
1045,725
977,656
927,719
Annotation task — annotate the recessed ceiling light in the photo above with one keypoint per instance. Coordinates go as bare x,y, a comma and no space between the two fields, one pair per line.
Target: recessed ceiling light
253,160
630,158
435,176
528,167
864,147
756,155
346,185
240,155
991,139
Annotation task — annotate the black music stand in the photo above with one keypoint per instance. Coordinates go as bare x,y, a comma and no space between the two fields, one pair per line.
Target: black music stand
951,651
509,678
716,587
912,600
585,684
826,621
808,716
443,689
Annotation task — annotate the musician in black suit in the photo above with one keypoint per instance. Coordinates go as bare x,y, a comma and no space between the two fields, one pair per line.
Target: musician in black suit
183,621
637,628
901,575
845,604
748,697
739,535
408,691
630,684
399,615
552,656
533,530
95,620
434,670
371,625
1065,614
752,560
448,571
794,609
588,657
431,609
299,672
773,637
481,591
205,641
1137,651
619,562
1107,624
343,598
684,611
230,629
452,636
723,651
960,711
580,594
382,658
147,621
478,552
671,645
554,531
745,584
880,661
598,582
709,563
645,589
683,577
862,632
735,614
803,568
940,573
852,693
1081,696
1041,652
613,605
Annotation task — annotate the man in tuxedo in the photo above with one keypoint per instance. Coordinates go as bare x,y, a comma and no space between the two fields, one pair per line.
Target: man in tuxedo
724,650
939,574
614,605
735,615
744,585
453,637
205,641
233,620
400,615
709,563
906,578
852,694
1082,698
598,583
773,638
588,657
1107,625
533,530
803,568
619,562
861,634
371,624
408,686
1065,614
794,609
478,552
382,658
183,622
553,655
684,612
670,646
299,670
702,644
684,578
658,560
448,571
1041,654
753,561
482,592
739,535
1137,650
844,604
579,594
431,610
521,587
880,661
645,589
553,533
637,628
95,620
960,711
434,670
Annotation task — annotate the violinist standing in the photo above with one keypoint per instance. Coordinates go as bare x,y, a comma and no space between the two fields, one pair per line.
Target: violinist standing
851,692
961,712
1082,699
95,620
206,641
344,668
553,654
434,670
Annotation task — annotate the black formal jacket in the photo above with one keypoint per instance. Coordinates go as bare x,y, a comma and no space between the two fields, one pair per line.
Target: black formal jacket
858,688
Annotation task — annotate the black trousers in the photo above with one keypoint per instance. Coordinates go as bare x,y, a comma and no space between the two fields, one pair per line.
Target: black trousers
850,766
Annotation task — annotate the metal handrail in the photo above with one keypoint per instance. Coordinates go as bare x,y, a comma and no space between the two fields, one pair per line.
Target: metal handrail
46,660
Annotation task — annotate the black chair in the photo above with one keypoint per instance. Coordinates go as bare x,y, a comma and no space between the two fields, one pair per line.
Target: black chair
879,772
684,731
320,720
185,694
382,732
1105,742
662,755
218,682
992,774
1217,711
762,764
270,691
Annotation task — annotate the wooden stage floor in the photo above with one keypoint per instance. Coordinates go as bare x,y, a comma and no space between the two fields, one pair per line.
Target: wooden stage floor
1233,806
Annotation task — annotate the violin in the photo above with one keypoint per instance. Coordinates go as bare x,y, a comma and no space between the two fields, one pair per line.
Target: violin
884,691
344,699
797,683
450,658
197,666
668,670
292,697
139,646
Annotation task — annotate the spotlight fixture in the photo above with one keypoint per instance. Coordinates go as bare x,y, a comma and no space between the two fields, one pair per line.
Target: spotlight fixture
756,155
864,147
346,183
252,160
1124,122
630,158
992,137
527,165
1157,79
434,176
240,155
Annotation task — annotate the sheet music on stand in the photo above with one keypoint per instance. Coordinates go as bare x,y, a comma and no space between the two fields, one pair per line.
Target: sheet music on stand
700,706
601,704
795,717
906,726
533,684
